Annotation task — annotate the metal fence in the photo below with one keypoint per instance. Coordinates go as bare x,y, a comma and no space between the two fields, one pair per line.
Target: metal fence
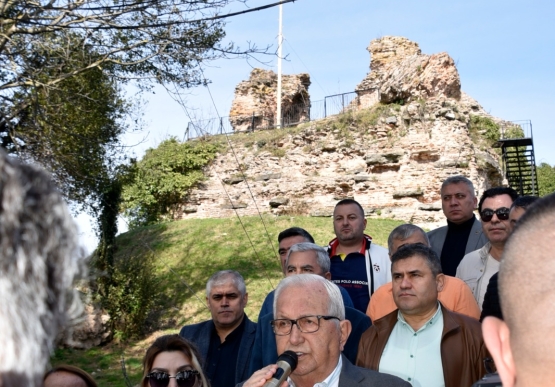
292,115
525,125
299,113
338,103
207,127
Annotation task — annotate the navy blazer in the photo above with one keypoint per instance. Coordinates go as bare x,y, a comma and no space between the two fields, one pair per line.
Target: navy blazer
199,334
264,350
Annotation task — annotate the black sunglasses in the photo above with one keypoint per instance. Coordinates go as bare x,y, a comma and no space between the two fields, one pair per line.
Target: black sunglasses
502,214
186,378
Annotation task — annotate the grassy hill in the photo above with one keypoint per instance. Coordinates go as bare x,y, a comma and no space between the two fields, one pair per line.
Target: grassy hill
185,254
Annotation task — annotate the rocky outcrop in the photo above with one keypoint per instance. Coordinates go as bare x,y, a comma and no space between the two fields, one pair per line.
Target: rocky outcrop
90,331
391,157
255,102
399,72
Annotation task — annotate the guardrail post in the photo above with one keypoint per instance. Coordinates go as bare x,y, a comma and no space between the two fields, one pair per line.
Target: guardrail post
343,102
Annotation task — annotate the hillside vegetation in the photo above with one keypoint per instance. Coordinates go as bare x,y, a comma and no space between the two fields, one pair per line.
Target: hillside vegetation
183,255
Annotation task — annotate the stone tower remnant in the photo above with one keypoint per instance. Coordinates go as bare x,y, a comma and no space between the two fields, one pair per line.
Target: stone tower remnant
255,102
399,72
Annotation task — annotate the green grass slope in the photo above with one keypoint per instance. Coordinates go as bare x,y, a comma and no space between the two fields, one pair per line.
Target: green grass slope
186,254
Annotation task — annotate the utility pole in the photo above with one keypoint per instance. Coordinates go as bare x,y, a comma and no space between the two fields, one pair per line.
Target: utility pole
280,44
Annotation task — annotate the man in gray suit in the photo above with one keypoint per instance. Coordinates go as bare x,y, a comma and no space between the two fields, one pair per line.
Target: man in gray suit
463,232
310,321
225,341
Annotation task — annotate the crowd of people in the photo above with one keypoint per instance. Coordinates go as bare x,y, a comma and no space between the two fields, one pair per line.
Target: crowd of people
354,313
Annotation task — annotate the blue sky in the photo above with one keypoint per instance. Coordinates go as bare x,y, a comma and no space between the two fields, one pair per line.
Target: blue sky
504,50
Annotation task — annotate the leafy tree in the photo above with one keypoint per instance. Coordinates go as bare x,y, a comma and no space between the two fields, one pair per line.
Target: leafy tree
72,128
57,59
160,40
546,179
158,182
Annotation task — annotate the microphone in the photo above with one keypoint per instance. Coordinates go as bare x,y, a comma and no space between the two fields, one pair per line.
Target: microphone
286,362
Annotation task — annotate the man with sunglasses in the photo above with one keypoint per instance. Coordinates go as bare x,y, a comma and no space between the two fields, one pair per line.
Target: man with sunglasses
310,321
479,266
491,305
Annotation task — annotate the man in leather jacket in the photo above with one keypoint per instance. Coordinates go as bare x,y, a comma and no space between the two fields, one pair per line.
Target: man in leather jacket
422,342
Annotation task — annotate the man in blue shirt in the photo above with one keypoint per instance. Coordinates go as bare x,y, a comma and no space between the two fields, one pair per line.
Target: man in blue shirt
286,239
357,265
304,258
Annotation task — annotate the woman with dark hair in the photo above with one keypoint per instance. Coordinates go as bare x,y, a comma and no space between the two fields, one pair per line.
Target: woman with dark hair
66,375
172,357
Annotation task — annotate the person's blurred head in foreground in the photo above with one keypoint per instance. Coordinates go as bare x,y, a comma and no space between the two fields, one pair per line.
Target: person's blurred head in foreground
522,345
39,259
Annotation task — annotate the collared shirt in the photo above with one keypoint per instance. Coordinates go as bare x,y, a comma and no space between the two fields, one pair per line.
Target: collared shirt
331,381
492,267
221,360
415,356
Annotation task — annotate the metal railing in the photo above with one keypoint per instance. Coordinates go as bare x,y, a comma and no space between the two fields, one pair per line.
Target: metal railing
292,115
525,125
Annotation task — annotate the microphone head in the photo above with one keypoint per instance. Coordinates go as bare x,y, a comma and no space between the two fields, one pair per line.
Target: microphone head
290,358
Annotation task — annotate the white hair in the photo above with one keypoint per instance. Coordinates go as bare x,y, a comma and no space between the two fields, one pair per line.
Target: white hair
335,306
39,258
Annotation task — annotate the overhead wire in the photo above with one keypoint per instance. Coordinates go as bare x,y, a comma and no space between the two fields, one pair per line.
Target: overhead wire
246,182
176,95
242,12
305,66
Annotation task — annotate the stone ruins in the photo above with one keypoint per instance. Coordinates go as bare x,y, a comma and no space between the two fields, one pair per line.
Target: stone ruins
255,105
391,156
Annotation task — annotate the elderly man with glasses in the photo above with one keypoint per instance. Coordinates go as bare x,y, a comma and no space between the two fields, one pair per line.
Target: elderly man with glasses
480,265
310,321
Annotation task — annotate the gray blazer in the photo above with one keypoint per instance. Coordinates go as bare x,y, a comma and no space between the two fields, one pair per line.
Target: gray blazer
199,334
476,239
353,376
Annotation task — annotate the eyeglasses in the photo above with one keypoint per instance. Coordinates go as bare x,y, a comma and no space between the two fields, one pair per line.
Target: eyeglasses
502,214
186,378
307,324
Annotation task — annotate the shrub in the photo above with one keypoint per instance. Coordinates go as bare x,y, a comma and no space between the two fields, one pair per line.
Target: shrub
130,295
155,186
485,127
